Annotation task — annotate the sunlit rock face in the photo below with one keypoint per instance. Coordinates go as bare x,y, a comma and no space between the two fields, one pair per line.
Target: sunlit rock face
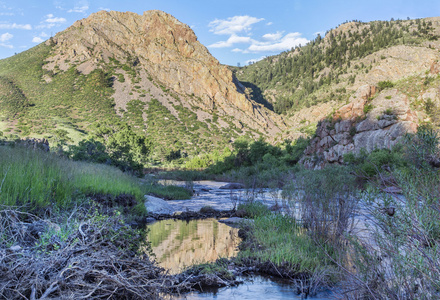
178,244
169,53
355,126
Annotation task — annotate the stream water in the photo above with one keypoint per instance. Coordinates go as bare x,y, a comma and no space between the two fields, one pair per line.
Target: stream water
209,193
178,244
255,288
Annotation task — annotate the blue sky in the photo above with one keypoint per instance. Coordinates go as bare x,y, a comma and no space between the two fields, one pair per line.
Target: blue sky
235,32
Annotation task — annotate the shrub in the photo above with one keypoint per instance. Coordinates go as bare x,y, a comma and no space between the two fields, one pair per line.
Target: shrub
385,85
406,238
326,201
368,107
422,148
367,165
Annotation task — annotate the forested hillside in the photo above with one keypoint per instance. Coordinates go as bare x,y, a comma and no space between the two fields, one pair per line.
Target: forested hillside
298,78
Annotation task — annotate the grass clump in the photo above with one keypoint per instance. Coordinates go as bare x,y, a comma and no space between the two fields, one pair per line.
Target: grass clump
169,192
39,180
281,240
253,209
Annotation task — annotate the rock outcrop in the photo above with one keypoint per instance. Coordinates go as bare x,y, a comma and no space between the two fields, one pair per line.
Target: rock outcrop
155,205
169,53
371,120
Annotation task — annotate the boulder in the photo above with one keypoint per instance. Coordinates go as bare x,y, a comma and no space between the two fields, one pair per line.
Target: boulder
155,205
232,186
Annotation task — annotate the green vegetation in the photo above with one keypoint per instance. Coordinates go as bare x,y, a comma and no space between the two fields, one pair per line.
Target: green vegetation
254,163
305,76
385,85
115,144
69,98
406,232
368,165
280,240
170,192
12,98
39,181
368,107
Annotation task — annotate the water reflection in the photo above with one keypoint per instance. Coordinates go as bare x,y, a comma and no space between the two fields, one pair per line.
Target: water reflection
255,288
178,244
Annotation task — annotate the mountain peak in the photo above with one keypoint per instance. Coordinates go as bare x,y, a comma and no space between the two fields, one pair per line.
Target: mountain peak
158,75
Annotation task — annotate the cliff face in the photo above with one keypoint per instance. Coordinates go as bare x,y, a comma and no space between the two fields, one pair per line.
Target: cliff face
352,128
169,55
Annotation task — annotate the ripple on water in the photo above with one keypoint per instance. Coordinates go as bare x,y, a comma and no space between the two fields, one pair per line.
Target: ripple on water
255,288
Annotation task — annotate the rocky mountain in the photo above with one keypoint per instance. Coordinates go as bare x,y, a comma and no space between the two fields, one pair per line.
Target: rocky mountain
149,70
364,85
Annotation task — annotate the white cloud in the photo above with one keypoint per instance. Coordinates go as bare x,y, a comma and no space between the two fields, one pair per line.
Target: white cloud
50,21
233,39
50,18
273,36
104,8
237,50
6,37
289,41
47,26
6,46
269,42
6,14
37,39
40,38
255,60
15,26
233,25
79,9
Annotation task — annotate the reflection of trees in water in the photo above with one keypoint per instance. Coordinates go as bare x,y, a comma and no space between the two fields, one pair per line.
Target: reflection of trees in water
182,243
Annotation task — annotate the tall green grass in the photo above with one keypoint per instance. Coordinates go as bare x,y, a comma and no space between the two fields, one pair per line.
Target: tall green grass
37,179
281,240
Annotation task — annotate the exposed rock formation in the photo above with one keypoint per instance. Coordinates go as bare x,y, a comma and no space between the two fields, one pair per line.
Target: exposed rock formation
155,205
365,122
170,54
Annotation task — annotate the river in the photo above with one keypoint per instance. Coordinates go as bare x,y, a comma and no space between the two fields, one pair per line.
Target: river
179,244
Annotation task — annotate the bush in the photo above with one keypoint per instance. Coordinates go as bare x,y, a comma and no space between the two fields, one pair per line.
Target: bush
116,144
400,258
326,201
385,85
89,150
368,165
422,148
368,107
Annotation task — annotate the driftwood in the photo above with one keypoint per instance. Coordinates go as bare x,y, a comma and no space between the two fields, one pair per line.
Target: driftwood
92,262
